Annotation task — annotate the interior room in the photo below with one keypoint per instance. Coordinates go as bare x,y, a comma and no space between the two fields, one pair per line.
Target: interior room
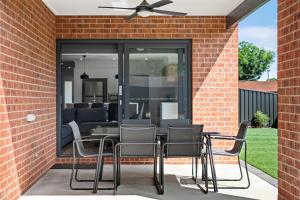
95,77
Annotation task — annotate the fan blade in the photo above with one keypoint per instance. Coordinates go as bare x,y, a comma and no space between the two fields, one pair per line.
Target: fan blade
165,12
131,16
160,3
116,8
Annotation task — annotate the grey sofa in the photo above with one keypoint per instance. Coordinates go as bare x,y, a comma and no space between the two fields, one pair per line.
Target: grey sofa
86,118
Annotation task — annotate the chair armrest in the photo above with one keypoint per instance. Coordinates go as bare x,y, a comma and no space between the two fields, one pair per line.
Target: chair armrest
88,136
211,133
226,137
183,143
88,140
135,143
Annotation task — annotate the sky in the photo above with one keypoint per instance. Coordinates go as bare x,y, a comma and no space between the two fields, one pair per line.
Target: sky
260,28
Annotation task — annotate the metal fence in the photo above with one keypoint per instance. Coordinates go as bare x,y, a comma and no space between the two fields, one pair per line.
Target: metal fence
251,101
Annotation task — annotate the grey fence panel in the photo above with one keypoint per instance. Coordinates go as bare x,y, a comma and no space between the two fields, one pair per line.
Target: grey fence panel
251,101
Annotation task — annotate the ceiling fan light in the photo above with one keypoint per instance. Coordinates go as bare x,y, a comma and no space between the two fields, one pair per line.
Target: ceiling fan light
84,76
144,13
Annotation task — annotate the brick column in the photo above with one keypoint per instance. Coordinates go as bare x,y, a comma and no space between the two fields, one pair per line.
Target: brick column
289,99
27,85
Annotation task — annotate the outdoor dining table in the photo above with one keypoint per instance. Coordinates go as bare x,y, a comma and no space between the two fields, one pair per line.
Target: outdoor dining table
162,133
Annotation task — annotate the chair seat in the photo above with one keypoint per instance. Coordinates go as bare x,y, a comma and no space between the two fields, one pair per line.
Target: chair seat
90,153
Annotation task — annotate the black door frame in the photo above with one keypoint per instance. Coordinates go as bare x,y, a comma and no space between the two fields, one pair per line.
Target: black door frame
120,44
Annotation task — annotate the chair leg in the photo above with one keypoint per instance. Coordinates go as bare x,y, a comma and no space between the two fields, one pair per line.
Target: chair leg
196,170
115,170
241,172
118,168
213,171
73,167
247,173
161,169
156,181
101,169
206,174
237,179
193,167
248,178
99,159
202,167
155,168
77,171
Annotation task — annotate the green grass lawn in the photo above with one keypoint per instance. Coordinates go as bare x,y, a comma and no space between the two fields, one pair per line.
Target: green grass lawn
262,149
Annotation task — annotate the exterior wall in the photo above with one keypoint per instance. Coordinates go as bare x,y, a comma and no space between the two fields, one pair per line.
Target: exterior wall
289,100
214,66
27,85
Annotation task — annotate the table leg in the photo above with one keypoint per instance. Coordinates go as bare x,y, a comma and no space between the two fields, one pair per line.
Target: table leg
99,158
212,164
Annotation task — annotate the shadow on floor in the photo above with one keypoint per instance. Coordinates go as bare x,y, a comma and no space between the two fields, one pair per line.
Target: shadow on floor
137,183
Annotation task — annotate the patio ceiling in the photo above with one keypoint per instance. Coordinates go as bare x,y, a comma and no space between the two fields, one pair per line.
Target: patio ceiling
234,10
192,7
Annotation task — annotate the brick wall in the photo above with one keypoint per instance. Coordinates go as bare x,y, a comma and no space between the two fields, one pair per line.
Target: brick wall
289,100
27,85
214,66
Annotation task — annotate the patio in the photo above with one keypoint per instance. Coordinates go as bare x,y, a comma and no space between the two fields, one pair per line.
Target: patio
137,183
31,90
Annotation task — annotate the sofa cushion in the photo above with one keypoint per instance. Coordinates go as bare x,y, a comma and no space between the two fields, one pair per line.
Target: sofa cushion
68,115
66,134
81,105
91,115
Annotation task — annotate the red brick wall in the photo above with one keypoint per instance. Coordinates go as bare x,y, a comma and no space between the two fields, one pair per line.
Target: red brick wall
215,58
27,85
289,100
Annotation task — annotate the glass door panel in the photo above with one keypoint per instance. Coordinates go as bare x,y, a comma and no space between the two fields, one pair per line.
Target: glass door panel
155,83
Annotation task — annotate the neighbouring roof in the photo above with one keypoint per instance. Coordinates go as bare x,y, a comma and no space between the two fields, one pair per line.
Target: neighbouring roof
262,86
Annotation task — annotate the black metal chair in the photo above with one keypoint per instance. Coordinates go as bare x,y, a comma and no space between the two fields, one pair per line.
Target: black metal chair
239,141
136,141
166,123
79,151
184,141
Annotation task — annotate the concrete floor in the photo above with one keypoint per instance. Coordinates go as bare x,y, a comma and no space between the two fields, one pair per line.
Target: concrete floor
137,184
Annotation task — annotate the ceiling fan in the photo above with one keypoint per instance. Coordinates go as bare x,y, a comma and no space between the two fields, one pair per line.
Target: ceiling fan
145,9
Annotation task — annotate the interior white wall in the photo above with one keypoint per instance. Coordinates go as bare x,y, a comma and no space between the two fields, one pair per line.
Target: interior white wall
95,68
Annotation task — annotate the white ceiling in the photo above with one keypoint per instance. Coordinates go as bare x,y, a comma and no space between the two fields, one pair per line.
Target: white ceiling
192,7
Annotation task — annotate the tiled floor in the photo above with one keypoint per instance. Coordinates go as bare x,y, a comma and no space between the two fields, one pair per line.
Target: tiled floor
137,183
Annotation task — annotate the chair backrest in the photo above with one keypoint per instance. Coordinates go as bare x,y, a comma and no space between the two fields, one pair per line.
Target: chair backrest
184,134
137,134
136,121
77,136
237,147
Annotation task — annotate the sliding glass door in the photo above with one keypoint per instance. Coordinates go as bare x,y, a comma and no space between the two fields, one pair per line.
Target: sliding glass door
156,82
101,82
